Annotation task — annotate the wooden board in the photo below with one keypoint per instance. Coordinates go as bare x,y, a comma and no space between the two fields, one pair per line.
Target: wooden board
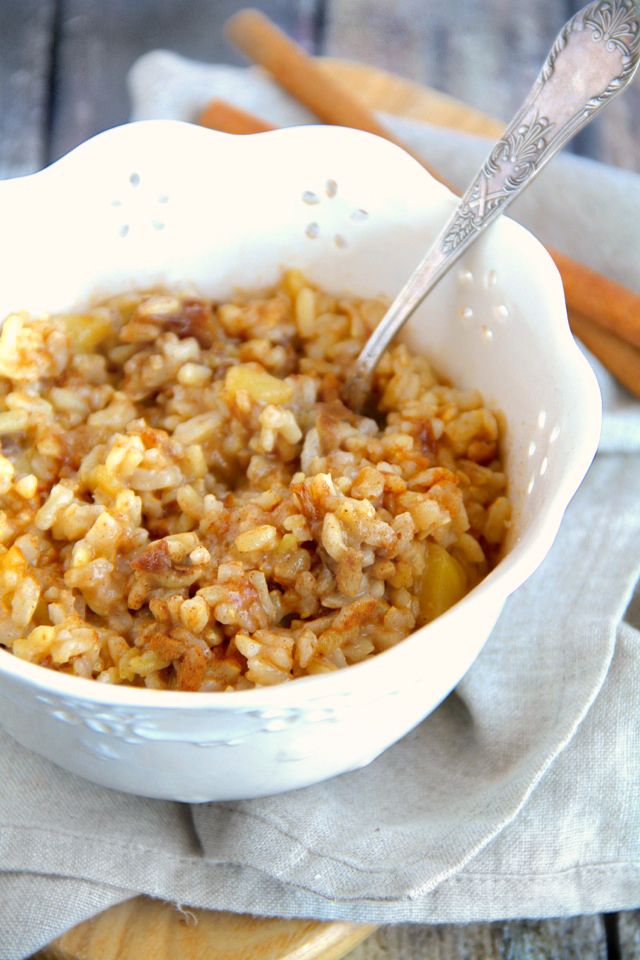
380,90
144,929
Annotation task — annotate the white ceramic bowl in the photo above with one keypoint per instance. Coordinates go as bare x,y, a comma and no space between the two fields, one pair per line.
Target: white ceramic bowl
168,202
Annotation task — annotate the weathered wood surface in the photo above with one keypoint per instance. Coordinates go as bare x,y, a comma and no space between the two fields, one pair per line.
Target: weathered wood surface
98,42
63,63
628,936
63,66
119,934
582,938
26,52
484,52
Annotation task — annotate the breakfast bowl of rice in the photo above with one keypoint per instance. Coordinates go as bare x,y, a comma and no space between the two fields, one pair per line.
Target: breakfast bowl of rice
219,581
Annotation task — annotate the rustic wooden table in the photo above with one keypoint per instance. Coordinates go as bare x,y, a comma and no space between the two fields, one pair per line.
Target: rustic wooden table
63,65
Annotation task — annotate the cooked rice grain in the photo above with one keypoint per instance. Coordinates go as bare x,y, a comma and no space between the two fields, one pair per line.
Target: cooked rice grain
187,504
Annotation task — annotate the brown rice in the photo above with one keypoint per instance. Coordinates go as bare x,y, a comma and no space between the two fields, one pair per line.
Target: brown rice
187,504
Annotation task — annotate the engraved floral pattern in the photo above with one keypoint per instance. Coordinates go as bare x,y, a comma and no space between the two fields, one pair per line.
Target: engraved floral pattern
134,726
615,23
532,138
512,161
517,155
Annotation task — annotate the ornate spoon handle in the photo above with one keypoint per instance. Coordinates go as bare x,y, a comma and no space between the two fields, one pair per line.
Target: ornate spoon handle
593,58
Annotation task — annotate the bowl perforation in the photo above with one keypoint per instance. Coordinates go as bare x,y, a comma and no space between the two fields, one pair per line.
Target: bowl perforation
538,448
138,208
354,215
486,333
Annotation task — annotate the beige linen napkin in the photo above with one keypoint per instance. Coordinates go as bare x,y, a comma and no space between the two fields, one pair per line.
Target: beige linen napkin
516,798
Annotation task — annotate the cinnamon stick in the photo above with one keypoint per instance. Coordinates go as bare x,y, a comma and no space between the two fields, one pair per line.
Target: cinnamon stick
220,115
590,294
263,42
620,357
611,306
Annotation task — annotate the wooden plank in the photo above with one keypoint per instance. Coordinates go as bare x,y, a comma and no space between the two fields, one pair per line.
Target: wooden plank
379,90
486,55
100,41
26,37
614,136
581,938
144,929
628,936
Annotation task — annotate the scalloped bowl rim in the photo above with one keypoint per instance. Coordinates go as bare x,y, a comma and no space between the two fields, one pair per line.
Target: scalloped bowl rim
512,571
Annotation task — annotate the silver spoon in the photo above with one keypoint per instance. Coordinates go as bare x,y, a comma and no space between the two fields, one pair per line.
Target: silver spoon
593,58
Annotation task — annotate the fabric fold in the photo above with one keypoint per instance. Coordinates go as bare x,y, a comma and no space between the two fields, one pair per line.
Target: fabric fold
421,811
